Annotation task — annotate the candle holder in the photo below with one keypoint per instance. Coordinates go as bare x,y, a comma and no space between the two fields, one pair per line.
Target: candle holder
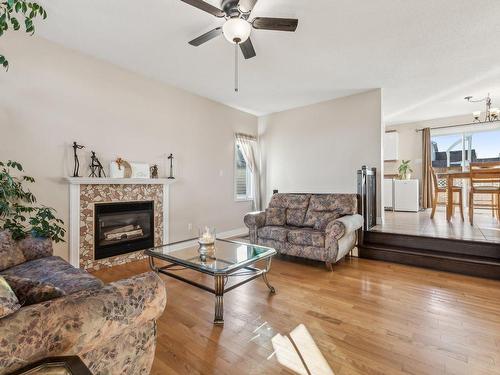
206,240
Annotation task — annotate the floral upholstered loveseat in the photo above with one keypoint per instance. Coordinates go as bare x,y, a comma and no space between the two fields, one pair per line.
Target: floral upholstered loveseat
111,327
314,226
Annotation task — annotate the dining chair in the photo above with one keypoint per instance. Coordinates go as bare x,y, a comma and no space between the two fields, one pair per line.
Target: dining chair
440,187
484,180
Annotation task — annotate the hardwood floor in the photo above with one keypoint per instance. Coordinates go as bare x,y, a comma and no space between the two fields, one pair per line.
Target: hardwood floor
367,317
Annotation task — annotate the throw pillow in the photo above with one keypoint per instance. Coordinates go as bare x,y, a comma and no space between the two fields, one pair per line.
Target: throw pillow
275,216
8,300
323,218
30,291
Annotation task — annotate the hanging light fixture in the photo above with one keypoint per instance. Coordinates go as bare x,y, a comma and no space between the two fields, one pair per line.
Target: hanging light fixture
490,114
236,30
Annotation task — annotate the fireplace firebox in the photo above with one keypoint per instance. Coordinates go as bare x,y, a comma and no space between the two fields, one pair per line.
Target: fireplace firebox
123,227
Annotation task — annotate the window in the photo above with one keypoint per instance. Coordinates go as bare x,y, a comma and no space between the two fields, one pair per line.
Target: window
460,149
242,177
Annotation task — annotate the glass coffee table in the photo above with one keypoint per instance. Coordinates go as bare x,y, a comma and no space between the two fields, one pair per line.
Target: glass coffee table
228,259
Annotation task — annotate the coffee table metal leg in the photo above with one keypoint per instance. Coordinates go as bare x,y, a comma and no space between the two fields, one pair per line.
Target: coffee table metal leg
219,299
264,276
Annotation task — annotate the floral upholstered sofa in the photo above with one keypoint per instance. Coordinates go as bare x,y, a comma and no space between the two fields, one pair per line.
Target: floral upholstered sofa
314,226
54,309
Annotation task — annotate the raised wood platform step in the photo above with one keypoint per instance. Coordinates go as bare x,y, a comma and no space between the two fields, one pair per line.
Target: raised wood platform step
465,257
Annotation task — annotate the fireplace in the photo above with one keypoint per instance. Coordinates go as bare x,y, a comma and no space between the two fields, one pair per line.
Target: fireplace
123,227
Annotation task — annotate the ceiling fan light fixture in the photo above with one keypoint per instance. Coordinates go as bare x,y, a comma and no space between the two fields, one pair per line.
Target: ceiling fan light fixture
236,30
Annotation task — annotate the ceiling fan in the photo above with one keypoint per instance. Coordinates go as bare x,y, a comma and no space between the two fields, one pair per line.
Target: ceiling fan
237,27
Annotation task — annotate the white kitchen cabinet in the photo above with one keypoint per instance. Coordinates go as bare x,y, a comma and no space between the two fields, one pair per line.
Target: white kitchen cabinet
406,195
388,193
391,146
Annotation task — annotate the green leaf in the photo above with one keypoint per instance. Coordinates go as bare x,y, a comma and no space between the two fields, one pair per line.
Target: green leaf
10,2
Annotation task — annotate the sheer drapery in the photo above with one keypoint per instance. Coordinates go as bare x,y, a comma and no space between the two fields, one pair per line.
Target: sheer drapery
248,147
426,168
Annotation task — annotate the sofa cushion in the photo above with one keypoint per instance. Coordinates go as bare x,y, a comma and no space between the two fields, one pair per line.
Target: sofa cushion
273,233
55,271
282,200
275,216
30,291
295,216
319,219
307,252
323,218
10,254
8,300
306,237
326,207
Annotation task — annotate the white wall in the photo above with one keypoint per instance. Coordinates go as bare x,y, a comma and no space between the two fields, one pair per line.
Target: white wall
319,148
53,96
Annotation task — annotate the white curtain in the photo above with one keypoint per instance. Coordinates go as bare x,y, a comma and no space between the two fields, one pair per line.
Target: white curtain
248,147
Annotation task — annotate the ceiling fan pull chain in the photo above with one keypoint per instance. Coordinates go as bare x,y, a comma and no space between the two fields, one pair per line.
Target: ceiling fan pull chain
236,83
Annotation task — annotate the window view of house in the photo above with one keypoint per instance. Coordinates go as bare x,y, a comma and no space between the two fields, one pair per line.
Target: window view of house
461,149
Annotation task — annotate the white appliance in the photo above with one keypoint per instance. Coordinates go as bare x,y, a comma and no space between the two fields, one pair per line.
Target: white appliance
388,193
406,195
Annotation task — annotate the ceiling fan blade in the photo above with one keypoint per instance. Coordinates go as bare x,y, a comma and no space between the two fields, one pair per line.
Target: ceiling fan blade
247,49
246,6
206,37
200,4
279,24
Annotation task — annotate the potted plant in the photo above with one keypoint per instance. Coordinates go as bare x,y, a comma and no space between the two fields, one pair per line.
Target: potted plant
19,213
405,170
13,14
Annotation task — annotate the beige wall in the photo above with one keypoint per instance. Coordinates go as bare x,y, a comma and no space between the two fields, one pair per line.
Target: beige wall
319,148
52,96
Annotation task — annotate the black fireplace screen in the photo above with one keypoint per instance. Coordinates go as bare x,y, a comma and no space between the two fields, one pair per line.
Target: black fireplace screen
123,228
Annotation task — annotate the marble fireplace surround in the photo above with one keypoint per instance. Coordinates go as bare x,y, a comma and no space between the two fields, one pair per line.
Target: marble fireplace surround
85,192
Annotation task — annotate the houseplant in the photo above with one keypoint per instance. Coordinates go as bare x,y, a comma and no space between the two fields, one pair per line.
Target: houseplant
17,14
405,170
19,212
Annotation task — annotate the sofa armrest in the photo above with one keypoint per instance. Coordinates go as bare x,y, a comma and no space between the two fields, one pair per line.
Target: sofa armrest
339,227
255,219
80,322
34,248
335,230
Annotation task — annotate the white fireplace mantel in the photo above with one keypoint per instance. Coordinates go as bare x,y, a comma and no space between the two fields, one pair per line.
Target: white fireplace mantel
118,181
74,206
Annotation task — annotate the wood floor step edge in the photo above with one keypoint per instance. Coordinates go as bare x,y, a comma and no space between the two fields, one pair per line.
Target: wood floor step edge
436,244
426,253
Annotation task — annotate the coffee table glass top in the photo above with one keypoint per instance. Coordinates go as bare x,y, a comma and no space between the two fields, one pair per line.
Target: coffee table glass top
227,256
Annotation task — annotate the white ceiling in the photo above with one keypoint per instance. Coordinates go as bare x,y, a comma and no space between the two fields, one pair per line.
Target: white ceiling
425,54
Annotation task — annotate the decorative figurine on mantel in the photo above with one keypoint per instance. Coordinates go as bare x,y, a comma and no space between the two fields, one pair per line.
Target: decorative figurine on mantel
76,169
96,168
154,171
171,175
